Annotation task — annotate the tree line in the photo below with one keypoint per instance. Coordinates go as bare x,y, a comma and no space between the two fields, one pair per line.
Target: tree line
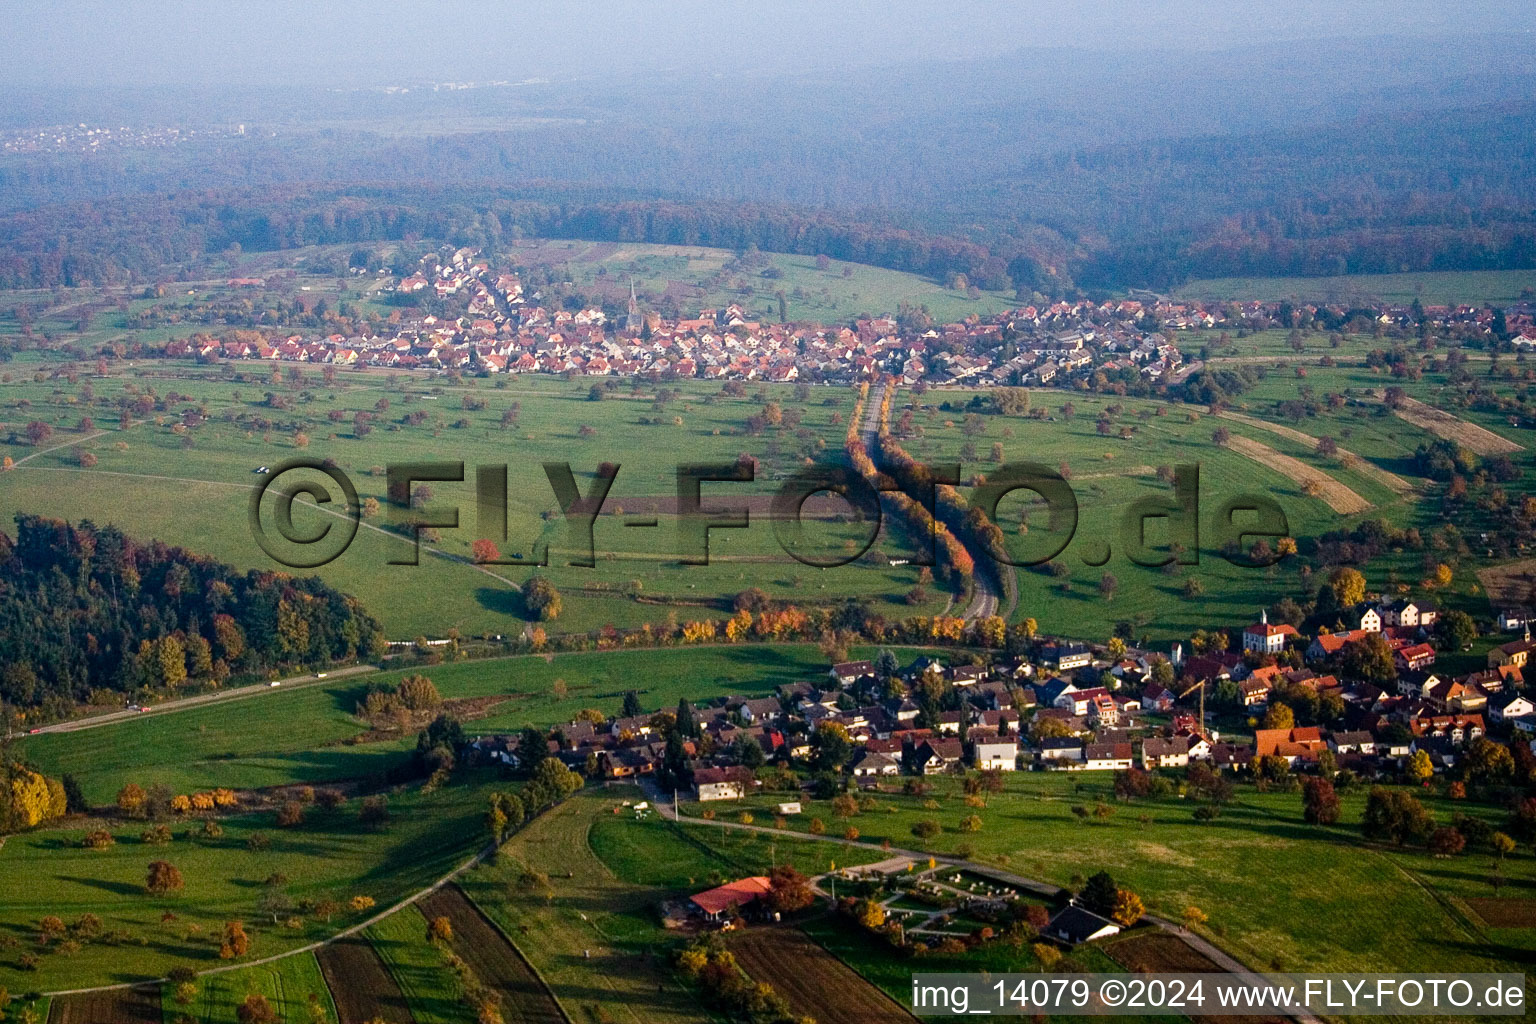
89,614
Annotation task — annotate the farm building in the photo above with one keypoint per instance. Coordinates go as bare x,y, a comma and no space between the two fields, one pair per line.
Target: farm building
721,783
718,903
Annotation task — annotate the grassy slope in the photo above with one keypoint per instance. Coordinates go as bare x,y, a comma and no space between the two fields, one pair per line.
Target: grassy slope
149,486
595,939
328,857
296,735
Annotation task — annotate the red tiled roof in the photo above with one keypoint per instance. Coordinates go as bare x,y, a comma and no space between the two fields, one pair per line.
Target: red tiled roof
732,894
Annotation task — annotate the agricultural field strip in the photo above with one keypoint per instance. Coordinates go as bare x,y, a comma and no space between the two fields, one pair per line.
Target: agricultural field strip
1340,498
1381,476
1442,424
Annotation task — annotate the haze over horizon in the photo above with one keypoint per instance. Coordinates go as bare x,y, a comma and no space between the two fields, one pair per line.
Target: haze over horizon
349,43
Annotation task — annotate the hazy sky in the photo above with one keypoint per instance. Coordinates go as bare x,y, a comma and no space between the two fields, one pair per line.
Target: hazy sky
349,42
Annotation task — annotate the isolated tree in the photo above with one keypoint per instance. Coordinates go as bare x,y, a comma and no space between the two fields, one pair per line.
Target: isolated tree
788,890
1456,630
163,878
439,931
1128,908
1348,586
1446,841
1320,804
254,1009
418,693
1395,816
1193,917
541,599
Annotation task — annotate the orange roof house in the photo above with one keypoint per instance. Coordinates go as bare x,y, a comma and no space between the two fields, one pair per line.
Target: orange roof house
1292,744
730,896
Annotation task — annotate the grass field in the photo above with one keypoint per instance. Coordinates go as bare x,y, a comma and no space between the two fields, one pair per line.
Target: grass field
292,986
150,475
1108,475
695,278
1367,908
1431,288
328,857
298,735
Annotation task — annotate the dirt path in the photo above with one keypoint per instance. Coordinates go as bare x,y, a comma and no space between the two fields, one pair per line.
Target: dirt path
67,444
1391,481
1339,498
1442,424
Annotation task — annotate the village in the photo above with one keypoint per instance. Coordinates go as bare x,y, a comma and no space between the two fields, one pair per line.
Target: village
1064,706
502,330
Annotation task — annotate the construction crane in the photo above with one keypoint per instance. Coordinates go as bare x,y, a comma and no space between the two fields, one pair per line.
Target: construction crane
1201,687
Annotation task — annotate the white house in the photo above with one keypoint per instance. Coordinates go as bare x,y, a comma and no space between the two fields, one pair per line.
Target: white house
997,754
1263,638
721,783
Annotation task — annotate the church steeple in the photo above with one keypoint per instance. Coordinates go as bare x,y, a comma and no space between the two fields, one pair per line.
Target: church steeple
634,321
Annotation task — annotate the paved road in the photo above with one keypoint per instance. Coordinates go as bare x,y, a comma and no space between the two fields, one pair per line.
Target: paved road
984,597
217,697
1223,960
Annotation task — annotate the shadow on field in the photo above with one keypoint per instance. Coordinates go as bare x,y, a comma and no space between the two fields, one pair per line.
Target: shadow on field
116,888
501,601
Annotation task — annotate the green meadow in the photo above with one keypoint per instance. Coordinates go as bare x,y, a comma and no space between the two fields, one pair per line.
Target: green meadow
329,856
1280,894
1480,287
300,735
291,987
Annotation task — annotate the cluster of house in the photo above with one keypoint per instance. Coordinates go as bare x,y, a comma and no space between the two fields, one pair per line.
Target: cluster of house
1072,707
504,330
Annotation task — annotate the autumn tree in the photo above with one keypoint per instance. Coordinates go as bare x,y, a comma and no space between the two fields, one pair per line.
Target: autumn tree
163,878
1320,804
1128,908
132,800
1396,816
255,1009
418,693
788,890
541,599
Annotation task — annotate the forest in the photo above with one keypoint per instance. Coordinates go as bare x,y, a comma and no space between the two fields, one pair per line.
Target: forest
1045,172
89,614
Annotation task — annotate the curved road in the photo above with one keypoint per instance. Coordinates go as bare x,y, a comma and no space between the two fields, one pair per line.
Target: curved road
984,597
